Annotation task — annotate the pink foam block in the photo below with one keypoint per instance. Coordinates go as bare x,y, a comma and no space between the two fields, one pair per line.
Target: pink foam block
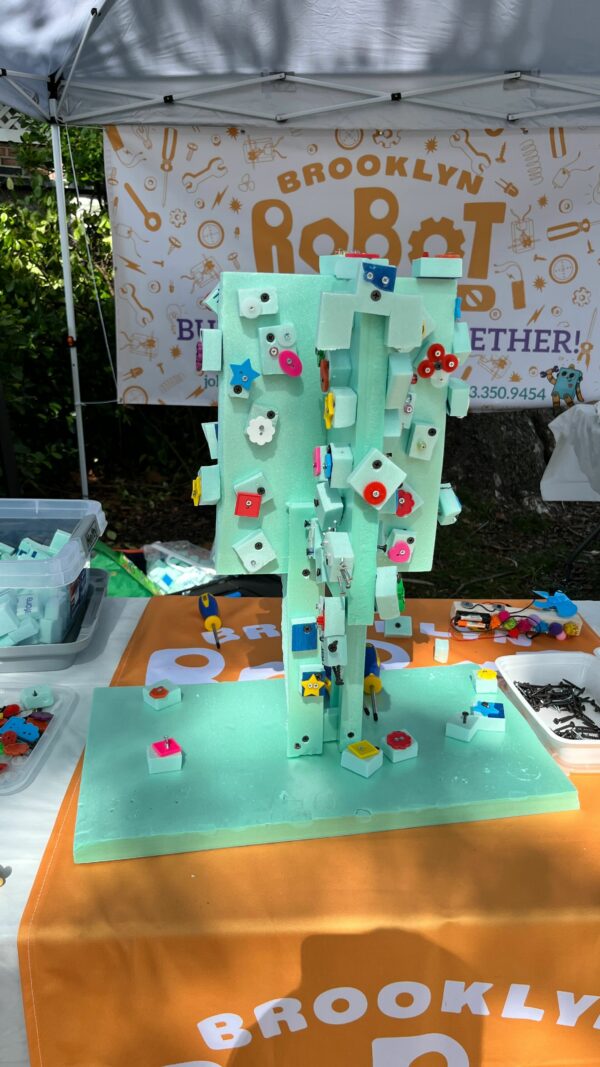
168,747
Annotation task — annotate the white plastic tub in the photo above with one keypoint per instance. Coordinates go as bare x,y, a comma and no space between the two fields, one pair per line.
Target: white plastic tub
43,585
542,668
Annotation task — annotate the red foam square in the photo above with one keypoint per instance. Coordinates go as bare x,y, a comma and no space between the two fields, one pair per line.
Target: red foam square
248,504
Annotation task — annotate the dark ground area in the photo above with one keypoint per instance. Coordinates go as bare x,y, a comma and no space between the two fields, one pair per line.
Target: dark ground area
506,542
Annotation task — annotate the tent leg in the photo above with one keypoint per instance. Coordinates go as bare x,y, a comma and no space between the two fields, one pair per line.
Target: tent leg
69,303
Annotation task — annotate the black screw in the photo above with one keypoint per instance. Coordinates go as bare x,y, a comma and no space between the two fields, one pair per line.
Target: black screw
270,414
351,734
265,298
432,432
316,502
258,545
306,738
261,490
307,629
376,295
237,389
376,464
305,573
270,337
297,745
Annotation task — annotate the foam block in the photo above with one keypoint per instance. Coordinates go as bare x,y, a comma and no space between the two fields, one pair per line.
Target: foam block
210,430
458,398
255,551
437,267
212,350
211,484
36,696
401,626
441,650
161,695
461,345
399,746
8,619
386,593
362,758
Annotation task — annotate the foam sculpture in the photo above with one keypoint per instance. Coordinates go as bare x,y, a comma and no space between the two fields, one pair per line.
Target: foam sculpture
333,395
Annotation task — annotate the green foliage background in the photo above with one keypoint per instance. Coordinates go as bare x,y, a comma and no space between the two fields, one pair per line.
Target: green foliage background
34,359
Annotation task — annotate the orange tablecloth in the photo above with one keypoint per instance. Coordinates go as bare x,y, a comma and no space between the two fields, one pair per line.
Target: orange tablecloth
478,942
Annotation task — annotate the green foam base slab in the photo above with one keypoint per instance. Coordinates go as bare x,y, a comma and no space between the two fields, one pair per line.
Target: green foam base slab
237,787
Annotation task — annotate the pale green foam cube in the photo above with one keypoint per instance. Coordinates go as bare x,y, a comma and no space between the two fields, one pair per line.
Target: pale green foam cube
341,465
8,619
25,631
255,551
461,345
211,436
340,368
462,728
60,538
400,755
161,695
329,505
36,696
344,414
212,350
386,593
400,372
458,398
437,267
210,478
365,767
401,626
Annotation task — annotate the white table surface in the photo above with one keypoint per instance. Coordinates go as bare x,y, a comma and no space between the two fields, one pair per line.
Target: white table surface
26,819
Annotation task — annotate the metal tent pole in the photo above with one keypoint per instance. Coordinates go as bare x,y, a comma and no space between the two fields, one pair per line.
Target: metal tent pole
69,303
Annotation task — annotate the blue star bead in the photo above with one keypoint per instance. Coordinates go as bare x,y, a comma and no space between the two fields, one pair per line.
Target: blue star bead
243,374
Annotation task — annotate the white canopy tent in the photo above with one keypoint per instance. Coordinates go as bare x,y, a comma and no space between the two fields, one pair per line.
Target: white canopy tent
415,64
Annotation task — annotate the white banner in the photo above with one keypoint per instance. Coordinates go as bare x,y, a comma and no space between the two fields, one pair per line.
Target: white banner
520,206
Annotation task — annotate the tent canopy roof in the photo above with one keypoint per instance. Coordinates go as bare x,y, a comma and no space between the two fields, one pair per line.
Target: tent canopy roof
216,62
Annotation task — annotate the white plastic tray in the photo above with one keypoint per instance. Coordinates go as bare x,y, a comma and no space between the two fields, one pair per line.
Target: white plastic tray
23,769
542,668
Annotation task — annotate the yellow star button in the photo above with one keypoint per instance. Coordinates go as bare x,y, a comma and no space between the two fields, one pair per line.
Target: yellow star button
328,410
197,490
311,687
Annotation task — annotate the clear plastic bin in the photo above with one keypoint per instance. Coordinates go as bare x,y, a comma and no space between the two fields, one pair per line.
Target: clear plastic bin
45,548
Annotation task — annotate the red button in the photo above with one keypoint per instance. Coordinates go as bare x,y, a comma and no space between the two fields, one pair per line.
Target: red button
426,368
159,692
435,351
399,739
248,504
406,503
450,363
8,738
9,710
324,373
374,492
